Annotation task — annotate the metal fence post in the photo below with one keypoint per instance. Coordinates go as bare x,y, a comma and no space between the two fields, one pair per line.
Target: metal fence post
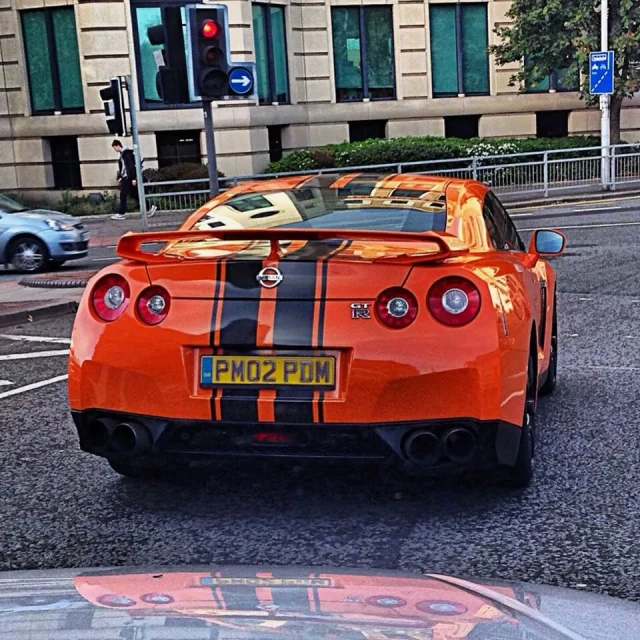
612,172
545,171
474,167
399,168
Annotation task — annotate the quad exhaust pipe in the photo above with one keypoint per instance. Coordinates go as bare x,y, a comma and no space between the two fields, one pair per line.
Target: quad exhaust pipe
424,448
125,438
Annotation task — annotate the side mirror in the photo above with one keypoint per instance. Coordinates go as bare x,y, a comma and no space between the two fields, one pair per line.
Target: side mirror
545,242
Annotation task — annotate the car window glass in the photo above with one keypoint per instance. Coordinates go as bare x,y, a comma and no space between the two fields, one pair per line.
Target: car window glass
492,228
509,231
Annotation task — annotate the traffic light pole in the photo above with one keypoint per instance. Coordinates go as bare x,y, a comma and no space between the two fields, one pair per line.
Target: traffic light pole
214,190
136,152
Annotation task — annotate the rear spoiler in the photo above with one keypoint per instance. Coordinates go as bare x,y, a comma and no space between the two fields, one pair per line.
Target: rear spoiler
130,245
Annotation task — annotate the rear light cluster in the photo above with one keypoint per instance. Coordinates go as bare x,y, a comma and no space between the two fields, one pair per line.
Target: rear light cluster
112,294
453,301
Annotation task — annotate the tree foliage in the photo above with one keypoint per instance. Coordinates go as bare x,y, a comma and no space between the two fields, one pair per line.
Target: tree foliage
554,35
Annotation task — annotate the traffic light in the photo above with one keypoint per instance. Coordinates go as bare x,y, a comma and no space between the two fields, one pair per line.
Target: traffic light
208,32
171,82
114,107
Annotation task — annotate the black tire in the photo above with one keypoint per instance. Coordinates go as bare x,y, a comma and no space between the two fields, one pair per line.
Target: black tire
56,264
28,254
551,381
519,476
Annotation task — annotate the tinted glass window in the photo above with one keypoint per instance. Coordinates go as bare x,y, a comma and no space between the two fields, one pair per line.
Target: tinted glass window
326,208
506,228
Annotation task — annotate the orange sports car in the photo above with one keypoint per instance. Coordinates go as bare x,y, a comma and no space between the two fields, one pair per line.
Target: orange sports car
356,317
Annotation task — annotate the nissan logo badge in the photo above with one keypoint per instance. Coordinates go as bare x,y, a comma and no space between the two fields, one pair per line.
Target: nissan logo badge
269,277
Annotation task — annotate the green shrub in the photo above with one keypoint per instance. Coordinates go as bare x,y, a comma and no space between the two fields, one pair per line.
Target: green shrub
403,150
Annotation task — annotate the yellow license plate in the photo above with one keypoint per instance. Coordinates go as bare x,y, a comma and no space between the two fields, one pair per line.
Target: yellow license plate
318,372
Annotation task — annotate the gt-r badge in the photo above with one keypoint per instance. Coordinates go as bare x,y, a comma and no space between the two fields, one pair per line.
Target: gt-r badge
360,311
269,277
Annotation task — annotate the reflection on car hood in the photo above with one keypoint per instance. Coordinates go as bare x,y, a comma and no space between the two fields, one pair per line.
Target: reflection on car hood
280,602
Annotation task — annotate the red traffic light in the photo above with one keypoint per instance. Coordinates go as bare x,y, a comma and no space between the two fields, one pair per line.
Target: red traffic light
210,29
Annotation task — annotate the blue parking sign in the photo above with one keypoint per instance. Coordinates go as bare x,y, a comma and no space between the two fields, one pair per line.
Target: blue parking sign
600,72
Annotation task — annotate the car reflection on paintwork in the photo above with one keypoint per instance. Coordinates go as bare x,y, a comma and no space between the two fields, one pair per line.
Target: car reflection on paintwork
302,603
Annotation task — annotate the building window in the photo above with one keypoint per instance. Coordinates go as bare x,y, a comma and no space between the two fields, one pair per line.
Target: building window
552,124
560,80
270,40
53,62
177,147
275,142
363,53
459,41
65,162
360,130
461,126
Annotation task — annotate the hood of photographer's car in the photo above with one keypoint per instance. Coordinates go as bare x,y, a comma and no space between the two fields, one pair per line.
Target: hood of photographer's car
300,602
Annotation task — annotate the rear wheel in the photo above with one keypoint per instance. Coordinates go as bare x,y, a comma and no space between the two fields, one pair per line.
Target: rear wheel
519,476
28,254
552,373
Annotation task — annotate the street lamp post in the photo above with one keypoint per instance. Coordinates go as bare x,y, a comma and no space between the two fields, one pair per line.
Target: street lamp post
605,116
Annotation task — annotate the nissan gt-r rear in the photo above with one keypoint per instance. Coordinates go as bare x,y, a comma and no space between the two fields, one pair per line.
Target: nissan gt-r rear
339,318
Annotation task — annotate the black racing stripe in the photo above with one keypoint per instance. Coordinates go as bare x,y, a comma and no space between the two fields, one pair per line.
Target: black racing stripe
214,312
293,325
238,332
323,304
293,599
238,597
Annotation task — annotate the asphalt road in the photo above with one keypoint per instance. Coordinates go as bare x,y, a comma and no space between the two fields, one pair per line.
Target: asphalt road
576,526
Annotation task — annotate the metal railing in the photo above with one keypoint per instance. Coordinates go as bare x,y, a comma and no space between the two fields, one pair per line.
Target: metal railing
544,172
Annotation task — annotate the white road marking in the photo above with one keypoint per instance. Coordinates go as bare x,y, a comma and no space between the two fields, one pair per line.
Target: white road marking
31,387
113,259
591,226
520,215
596,209
36,354
585,299
6,336
5,383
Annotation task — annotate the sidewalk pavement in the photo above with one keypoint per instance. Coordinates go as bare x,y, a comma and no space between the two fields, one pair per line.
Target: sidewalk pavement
105,232
19,304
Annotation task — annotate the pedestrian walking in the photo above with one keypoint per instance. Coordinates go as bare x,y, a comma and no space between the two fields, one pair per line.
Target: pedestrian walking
127,179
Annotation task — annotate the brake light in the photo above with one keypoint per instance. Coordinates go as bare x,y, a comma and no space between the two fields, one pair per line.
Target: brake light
396,308
454,301
153,305
110,297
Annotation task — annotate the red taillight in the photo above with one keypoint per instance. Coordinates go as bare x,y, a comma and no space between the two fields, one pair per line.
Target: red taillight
156,598
115,600
454,301
110,297
153,305
396,308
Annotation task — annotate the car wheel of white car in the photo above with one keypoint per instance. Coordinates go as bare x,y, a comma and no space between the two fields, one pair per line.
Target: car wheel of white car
28,254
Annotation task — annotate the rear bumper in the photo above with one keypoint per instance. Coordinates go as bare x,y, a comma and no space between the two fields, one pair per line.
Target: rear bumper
130,437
